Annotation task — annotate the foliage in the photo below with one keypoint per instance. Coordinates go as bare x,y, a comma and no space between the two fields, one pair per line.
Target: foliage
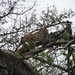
19,20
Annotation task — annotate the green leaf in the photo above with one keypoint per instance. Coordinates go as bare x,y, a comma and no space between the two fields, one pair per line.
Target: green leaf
19,54
43,54
50,59
64,53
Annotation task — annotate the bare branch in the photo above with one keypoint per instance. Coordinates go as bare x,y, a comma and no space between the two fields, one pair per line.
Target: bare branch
50,25
69,43
9,12
25,10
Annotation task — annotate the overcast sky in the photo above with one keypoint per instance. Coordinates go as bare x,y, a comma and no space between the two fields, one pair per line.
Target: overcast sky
59,4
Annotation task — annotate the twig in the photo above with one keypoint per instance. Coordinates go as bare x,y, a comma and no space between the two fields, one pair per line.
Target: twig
50,25
44,61
11,9
70,42
25,10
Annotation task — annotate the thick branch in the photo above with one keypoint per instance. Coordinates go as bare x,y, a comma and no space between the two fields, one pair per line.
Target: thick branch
68,60
44,61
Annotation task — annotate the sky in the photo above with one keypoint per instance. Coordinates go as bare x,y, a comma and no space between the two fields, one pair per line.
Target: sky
60,5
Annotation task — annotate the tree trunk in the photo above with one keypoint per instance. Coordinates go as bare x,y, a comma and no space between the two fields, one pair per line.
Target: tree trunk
10,64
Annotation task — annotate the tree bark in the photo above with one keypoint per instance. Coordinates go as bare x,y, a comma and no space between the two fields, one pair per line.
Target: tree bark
10,64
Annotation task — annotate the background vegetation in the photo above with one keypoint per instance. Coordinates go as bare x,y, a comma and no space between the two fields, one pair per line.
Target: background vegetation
19,18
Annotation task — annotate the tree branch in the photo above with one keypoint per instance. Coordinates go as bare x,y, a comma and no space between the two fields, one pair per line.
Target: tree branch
47,62
9,12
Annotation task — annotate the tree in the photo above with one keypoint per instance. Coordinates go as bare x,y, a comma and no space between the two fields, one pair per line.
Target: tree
46,59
